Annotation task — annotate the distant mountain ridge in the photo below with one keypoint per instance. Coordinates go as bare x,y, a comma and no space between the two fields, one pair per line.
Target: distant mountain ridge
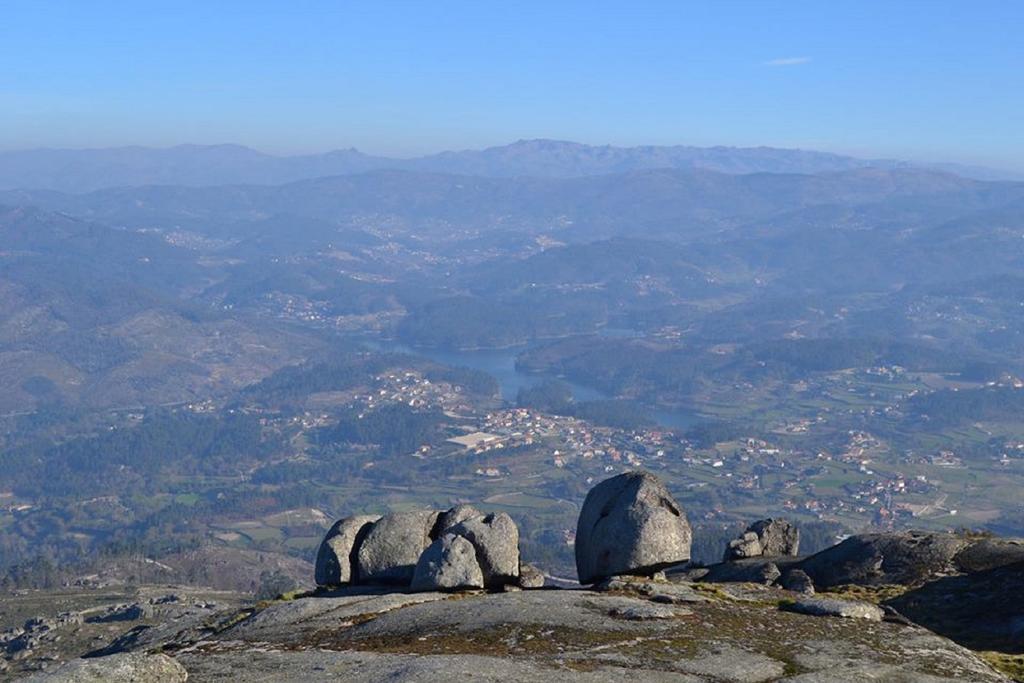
85,170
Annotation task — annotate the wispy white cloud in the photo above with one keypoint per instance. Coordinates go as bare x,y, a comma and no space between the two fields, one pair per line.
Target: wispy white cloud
787,61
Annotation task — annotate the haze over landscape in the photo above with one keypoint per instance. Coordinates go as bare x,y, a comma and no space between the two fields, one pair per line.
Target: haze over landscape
776,269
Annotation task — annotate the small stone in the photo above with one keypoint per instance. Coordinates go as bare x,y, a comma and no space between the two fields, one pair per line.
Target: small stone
530,577
768,574
643,612
798,581
829,607
746,546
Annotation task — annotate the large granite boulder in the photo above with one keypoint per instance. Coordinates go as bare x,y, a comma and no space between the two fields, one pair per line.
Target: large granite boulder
765,538
449,563
496,540
905,558
778,537
989,553
336,558
982,610
630,524
393,546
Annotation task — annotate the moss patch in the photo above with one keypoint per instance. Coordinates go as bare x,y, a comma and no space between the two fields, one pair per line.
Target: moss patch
873,594
1011,666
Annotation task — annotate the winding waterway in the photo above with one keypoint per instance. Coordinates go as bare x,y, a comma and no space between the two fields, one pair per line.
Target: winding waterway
501,364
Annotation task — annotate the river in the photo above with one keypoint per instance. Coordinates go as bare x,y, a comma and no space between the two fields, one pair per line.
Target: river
501,364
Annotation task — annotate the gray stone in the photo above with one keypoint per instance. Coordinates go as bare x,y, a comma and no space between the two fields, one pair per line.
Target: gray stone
496,540
630,524
126,667
753,570
830,607
643,612
336,557
568,635
983,610
373,667
449,563
121,613
778,537
765,538
747,545
904,558
726,663
449,518
797,580
530,577
393,546
989,553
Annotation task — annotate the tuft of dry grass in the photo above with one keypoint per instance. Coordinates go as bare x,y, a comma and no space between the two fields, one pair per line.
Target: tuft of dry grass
872,594
1011,666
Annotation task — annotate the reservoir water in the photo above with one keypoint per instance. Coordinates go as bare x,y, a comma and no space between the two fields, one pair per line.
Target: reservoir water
501,364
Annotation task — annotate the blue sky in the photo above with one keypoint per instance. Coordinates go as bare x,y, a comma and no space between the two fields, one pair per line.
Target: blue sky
912,79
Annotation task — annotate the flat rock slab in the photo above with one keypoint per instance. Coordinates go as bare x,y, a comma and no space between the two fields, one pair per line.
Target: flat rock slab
370,667
573,635
729,663
646,612
579,610
659,591
287,622
829,607
125,667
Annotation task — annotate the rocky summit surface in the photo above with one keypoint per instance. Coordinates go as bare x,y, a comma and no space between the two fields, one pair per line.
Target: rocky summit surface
434,595
647,629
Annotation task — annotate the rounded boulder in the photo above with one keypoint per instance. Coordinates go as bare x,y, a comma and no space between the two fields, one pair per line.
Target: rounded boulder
336,557
393,546
449,563
496,540
630,524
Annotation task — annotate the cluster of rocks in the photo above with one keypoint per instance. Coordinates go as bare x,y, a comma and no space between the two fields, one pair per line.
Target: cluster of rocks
37,643
765,538
629,524
19,642
427,550
631,529
645,616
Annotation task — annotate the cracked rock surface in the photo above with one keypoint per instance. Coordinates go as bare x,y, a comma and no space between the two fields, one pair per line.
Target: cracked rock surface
651,630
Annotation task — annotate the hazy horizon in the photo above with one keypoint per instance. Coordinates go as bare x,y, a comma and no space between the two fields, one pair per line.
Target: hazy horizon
939,162
404,81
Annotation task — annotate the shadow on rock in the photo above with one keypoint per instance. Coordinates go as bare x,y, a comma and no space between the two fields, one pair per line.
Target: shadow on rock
981,611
